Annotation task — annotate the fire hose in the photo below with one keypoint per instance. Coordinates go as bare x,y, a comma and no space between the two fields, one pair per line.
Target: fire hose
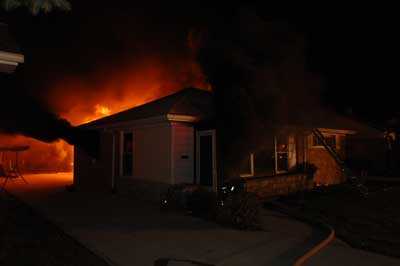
320,245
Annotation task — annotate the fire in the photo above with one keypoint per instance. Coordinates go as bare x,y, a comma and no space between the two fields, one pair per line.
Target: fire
81,99
102,110
41,156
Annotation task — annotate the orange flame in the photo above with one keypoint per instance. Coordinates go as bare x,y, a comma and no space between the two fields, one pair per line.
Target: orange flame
105,92
102,110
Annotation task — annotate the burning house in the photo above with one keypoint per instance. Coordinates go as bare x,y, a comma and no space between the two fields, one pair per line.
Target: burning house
173,140
256,123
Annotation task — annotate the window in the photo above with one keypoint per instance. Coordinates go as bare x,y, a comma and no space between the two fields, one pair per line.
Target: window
276,156
127,154
247,166
329,139
285,153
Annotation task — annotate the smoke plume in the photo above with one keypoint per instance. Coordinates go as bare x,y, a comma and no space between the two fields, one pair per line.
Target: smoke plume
258,71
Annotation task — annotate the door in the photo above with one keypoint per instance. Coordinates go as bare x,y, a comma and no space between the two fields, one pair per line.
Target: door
206,161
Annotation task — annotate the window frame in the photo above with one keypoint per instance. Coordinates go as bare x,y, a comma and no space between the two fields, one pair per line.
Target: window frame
122,152
251,165
335,135
276,155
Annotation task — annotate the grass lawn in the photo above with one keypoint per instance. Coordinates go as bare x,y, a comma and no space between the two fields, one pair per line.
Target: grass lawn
27,239
371,223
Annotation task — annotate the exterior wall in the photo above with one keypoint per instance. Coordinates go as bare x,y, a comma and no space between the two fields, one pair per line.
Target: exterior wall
182,152
328,171
91,174
151,161
152,153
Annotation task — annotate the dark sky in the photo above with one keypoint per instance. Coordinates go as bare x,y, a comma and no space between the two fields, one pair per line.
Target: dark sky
350,47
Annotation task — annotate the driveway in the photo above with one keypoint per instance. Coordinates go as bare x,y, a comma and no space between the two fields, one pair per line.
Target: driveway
131,232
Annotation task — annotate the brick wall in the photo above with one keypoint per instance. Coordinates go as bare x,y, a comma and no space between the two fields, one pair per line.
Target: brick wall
328,171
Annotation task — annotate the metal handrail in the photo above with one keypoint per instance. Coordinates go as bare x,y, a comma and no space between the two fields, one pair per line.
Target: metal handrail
353,179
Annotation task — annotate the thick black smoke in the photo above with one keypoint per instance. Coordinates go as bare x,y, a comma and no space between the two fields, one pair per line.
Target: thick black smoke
21,113
258,71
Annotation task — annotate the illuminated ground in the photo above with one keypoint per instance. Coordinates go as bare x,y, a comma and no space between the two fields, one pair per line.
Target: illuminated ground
131,232
27,238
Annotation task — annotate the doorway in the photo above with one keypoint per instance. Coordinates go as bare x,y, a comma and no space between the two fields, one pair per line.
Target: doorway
205,159
127,154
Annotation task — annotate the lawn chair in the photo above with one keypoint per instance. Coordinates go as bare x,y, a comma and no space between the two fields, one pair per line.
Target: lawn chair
13,171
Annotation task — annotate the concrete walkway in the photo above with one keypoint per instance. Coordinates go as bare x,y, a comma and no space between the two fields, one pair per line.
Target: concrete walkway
131,232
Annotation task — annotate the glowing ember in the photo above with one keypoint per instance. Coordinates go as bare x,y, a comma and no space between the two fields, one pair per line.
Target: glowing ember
102,110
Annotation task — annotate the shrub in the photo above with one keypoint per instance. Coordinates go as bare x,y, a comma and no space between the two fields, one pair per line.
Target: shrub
240,210
307,168
176,197
202,202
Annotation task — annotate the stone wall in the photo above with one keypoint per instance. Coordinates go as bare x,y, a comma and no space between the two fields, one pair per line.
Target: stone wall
278,185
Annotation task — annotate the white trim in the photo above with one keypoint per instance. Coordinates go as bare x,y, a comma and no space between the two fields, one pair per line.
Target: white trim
214,158
113,162
125,124
9,63
133,153
326,134
121,136
172,155
150,121
12,57
305,140
337,131
251,174
182,118
76,169
214,148
276,156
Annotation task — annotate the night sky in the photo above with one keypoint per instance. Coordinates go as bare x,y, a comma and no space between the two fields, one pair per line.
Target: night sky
349,47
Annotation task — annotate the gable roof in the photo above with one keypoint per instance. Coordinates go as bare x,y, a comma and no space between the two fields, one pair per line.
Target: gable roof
199,103
188,102
324,118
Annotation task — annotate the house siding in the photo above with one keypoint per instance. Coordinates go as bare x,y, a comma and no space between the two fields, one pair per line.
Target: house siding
152,153
182,152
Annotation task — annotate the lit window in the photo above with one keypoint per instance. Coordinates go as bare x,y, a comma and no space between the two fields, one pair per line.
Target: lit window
285,153
329,139
281,154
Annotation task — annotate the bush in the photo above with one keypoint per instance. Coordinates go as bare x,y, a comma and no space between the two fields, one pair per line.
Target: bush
202,202
176,197
240,210
307,168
